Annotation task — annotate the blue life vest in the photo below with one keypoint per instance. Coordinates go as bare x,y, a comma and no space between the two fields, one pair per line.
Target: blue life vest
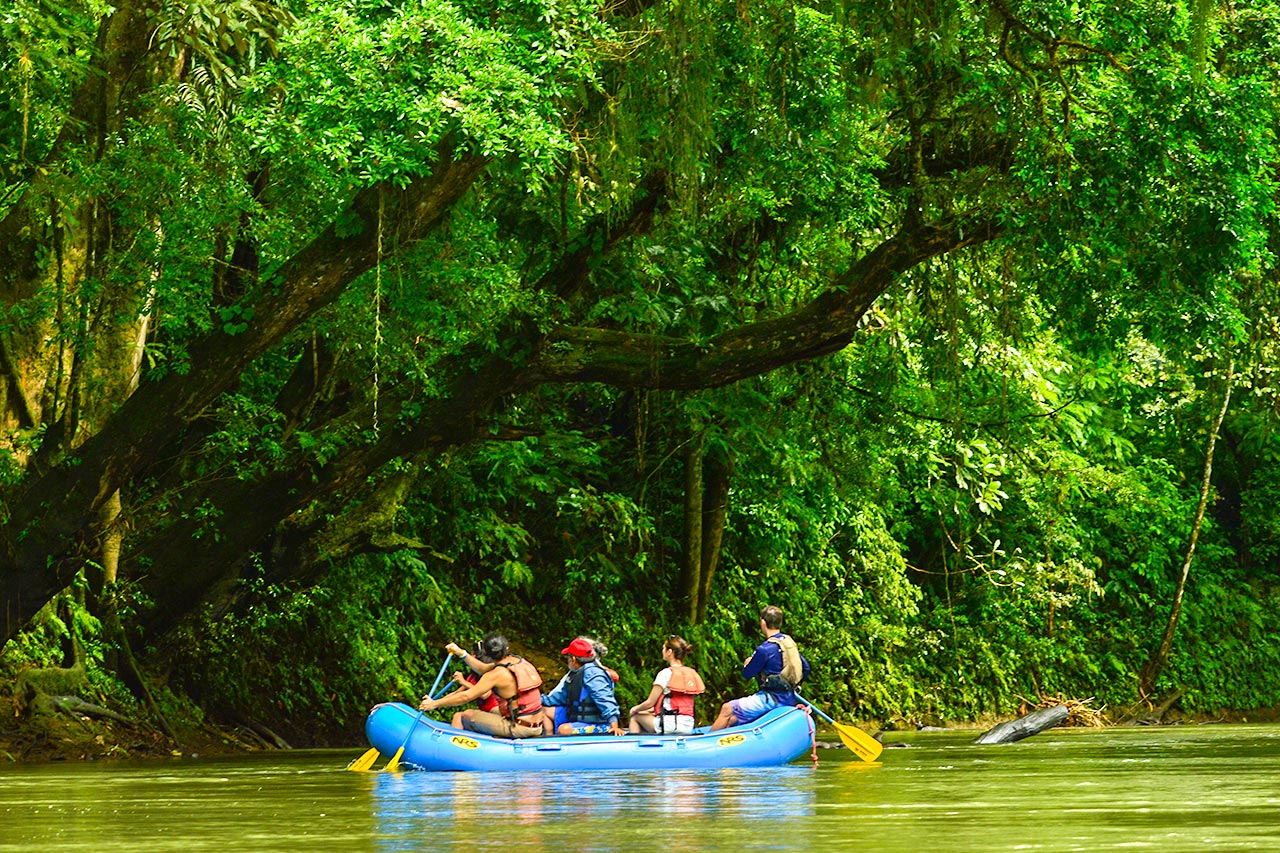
581,707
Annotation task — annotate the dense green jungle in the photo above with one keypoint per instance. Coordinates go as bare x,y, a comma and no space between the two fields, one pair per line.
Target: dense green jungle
336,330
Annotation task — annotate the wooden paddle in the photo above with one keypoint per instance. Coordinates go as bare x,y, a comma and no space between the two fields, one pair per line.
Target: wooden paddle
394,764
365,762
859,742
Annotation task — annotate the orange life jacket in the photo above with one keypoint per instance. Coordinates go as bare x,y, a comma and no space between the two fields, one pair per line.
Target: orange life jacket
684,686
528,698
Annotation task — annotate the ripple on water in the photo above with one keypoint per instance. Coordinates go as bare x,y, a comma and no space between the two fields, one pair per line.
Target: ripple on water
1193,788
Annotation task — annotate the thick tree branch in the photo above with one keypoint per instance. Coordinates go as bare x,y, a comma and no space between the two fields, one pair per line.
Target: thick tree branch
828,324
568,275
481,380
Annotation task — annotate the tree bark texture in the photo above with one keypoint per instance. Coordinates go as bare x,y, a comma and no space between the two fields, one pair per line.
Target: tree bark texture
717,470
692,568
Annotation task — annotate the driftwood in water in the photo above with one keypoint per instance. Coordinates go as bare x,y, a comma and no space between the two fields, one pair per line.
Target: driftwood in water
1023,727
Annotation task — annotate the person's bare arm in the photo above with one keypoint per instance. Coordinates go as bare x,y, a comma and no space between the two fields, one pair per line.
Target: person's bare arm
478,666
487,682
650,703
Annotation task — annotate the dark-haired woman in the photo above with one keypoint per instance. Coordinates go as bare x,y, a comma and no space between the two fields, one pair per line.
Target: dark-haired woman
480,659
669,707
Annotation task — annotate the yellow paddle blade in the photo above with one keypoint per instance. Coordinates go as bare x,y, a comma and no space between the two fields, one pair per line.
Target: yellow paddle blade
364,762
859,742
394,764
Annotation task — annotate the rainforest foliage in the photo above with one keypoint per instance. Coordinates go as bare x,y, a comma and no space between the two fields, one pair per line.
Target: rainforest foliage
335,330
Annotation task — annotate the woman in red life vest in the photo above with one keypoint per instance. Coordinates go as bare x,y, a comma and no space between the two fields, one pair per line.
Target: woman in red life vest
480,662
669,707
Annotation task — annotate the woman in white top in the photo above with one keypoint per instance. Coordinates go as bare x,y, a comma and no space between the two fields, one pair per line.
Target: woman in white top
669,706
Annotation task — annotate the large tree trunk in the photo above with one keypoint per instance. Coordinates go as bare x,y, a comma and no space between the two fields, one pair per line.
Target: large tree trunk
717,469
60,507
691,574
706,507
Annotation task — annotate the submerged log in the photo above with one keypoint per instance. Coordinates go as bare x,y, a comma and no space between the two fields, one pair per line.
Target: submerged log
1026,726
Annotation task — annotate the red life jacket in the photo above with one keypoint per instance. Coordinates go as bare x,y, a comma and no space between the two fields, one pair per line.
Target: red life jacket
528,698
491,702
683,688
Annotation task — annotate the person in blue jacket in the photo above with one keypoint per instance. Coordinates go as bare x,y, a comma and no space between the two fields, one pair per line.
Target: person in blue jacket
778,668
586,695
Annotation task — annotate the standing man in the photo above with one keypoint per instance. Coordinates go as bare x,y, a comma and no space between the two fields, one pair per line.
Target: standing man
777,666
586,694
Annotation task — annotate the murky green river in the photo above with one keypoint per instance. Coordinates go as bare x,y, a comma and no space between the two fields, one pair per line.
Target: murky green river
1192,788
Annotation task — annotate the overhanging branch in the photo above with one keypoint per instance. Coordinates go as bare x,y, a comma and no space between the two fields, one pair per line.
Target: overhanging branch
825,325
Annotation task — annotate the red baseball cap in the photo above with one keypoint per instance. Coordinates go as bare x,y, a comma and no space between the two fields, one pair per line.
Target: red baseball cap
580,648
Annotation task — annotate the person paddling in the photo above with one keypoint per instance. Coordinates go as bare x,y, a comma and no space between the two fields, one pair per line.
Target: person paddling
512,679
479,661
669,706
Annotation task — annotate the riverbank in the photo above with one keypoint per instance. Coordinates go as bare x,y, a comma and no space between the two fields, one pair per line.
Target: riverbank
67,736
44,738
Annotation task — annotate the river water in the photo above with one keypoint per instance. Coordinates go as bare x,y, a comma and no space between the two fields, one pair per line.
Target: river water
1187,788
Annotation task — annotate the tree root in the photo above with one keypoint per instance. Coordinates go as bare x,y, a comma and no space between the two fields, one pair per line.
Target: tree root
77,707
1143,714
261,733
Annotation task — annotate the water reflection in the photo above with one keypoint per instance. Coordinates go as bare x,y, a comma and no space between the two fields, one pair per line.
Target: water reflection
590,810
1205,789
1193,788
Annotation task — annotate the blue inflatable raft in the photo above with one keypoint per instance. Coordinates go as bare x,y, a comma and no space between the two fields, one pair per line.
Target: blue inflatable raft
779,737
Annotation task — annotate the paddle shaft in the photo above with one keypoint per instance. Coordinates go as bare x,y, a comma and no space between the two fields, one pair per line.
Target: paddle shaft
432,693
439,675
394,763
817,710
